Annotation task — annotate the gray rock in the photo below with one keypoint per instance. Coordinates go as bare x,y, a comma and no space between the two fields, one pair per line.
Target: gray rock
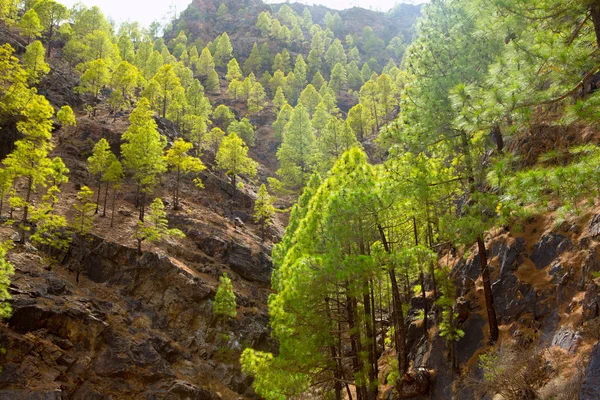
590,389
548,249
591,302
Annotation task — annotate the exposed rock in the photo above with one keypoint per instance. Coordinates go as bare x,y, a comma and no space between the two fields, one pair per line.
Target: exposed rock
567,339
185,390
590,389
548,249
591,302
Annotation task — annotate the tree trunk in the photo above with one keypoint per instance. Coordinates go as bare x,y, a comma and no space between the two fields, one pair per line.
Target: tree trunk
176,199
105,200
26,210
370,348
98,196
487,290
337,376
595,12
112,216
143,206
397,313
357,365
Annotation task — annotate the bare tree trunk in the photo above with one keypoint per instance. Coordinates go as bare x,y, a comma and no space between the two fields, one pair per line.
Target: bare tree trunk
487,290
112,216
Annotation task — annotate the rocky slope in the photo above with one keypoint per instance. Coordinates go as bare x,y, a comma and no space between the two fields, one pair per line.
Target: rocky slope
548,306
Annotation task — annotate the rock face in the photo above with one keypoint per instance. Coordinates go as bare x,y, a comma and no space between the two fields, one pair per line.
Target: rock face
590,389
140,328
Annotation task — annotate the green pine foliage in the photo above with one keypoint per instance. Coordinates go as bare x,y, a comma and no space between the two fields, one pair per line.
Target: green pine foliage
224,306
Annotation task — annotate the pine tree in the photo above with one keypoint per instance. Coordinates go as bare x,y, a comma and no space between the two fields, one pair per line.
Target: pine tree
309,98
256,99
34,62
84,218
66,116
264,211
206,63
124,81
224,306
243,129
337,138
212,140
181,162
234,72
233,158
167,82
98,163
254,60
279,99
156,226
223,116
339,79
142,151
224,50
235,89
222,12
282,120
113,177
213,84
264,22
297,151
30,25
95,77
51,14
336,54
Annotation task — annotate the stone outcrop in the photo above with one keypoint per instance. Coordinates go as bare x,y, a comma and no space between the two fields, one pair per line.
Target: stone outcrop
140,327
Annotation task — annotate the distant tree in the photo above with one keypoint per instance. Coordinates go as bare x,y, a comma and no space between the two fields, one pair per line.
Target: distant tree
222,12
35,64
296,35
98,163
253,62
243,129
224,50
256,99
156,226
309,98
339,78
306,19
284,36
212,140
282,119
206,63
95,77
318,80
181,162
30,25
297,151
357,121
84,218
51,14
279,99
233,70
264,22
235,89
155,61
213,83
336,139
355,79
233,158
124,81
126,48
113,177
223,116
277,81
282,62
167,82
66,116
336,54
142,151
224,306
264,211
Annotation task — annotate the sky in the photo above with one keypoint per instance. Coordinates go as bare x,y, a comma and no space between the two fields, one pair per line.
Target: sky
146,11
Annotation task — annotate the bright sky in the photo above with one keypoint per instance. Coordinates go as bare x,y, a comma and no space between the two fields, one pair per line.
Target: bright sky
146,11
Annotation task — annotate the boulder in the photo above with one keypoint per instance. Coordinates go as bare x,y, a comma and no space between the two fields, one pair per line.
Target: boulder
591,302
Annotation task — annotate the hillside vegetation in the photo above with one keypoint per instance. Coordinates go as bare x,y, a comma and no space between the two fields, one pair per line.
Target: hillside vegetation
283,201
